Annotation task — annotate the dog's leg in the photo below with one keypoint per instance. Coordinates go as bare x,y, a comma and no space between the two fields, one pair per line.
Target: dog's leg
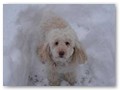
70,77
54,79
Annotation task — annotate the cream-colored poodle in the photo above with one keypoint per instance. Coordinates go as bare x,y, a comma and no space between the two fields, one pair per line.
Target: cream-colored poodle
60,50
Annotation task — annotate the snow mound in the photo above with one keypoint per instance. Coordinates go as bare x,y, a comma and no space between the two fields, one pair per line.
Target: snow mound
95,26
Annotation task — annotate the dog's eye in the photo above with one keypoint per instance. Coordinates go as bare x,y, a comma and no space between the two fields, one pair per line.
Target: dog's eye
56,43
67,43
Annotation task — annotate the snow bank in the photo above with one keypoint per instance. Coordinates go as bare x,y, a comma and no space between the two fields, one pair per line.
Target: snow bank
95,26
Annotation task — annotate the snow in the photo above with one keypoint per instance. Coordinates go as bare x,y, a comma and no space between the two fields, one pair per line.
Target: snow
95,26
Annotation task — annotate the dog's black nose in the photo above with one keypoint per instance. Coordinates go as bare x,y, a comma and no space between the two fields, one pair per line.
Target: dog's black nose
61,54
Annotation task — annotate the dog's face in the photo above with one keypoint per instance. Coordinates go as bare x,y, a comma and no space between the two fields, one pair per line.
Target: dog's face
60,45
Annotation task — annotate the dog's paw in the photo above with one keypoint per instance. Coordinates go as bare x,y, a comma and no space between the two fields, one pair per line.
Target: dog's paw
70,77
55,83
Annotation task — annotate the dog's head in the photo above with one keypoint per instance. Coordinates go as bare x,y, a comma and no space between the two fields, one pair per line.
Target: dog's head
62,45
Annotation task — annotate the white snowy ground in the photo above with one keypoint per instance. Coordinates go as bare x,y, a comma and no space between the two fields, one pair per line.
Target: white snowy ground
95,26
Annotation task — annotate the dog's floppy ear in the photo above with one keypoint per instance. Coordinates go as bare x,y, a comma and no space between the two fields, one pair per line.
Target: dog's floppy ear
79,53
44,52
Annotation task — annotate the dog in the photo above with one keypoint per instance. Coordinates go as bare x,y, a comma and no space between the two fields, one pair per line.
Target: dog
60,50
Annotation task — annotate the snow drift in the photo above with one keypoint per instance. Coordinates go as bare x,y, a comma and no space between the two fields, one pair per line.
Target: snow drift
95,26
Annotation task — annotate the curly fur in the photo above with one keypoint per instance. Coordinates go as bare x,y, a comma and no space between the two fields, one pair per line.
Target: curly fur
60,37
